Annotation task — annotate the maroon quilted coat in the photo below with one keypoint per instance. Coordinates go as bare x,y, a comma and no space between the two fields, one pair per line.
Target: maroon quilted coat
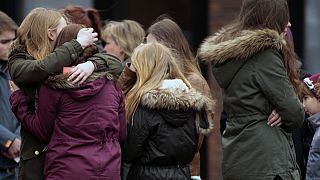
83,127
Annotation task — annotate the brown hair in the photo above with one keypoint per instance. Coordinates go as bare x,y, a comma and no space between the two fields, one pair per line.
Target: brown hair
306,92
167,32
89,17
70,32
6,23
261,14
269,14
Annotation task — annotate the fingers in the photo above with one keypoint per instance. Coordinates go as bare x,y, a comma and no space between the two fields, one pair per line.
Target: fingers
74,73
94,34
277,123
272,114
84,78
81,72
274,119
13,86
77,76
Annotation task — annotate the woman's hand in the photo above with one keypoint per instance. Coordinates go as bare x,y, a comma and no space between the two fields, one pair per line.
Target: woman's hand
14,150
13,87
274,119
86,36
81,72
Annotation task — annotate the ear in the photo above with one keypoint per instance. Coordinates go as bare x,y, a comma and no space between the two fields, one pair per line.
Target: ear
51,34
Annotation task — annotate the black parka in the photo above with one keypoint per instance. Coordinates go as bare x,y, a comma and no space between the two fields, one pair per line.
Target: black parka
163,134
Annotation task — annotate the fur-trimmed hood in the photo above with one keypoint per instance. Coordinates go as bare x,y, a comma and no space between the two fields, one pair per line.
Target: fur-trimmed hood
90,87
222,46
176,96
228,53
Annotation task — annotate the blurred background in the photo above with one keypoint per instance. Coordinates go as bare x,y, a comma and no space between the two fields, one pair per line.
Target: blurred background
198,19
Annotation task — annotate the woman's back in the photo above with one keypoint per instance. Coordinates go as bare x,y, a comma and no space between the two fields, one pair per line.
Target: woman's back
251,71
84,125
87,134
165,125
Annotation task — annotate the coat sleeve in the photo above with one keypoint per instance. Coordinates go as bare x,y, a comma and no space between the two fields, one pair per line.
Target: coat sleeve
6,138
107,62
41,122
127,79
122,119
138,132
24,70
275,84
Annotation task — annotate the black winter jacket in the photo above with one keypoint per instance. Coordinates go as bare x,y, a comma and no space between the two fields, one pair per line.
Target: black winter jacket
163,134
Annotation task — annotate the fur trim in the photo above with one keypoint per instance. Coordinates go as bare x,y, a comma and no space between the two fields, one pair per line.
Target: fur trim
222,46
177,99
60,81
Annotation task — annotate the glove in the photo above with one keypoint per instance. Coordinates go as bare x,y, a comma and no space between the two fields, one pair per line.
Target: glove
81,72
86,36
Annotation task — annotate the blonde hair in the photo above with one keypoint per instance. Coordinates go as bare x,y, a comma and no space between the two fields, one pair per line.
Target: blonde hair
127,34
154,63
32,32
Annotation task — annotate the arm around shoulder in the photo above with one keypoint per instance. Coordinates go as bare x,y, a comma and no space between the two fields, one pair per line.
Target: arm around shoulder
24,69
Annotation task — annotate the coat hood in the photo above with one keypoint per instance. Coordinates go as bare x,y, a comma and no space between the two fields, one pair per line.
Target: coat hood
90,87
176,101
228,53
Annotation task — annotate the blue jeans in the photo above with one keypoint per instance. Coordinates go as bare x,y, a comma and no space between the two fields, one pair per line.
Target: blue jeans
9,173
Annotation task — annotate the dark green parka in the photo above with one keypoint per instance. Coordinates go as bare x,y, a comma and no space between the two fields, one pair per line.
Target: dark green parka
250,69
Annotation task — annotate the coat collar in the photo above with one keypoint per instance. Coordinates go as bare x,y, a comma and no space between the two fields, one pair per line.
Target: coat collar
222,46
175,95
60,81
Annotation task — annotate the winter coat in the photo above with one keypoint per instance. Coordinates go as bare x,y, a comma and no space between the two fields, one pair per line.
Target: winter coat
84,126
9,126
127,79
313,165
28,74
162,136
249,67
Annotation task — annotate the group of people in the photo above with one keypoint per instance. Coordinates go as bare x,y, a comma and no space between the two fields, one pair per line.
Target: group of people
113,101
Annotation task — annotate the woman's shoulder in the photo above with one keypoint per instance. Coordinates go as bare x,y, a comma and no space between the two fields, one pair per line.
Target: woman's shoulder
268,58
174,95
199,83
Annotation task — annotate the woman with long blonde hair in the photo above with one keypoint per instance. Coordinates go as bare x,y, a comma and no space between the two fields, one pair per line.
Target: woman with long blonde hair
31,61
164,115
72,118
